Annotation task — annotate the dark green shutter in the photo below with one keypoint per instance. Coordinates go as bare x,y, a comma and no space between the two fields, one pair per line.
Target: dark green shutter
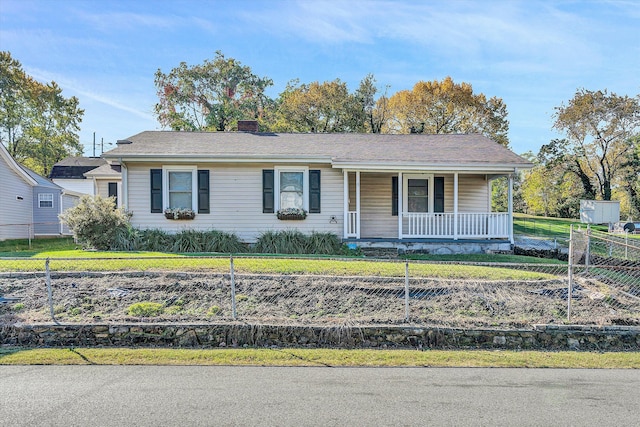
438,196
394,195
156,190
314,191
267,191
203,192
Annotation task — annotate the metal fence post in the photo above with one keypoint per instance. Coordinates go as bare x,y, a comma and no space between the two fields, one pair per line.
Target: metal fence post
47,275
626,244
587,255
406,291
570,273
233,290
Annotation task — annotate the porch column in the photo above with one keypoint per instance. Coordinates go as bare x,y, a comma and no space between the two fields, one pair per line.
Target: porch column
400,207
455,206
511,208
345,225
357,204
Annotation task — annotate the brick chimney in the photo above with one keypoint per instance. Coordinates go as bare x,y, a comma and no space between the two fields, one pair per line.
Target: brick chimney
247,126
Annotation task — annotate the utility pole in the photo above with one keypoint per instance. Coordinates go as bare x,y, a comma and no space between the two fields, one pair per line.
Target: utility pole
94,144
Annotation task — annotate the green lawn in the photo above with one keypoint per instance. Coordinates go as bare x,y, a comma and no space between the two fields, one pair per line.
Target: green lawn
114,261
319,357
547,227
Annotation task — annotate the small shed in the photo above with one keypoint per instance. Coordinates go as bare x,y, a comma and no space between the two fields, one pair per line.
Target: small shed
599,211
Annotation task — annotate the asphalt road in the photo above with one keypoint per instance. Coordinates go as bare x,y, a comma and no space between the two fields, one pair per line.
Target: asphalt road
259,396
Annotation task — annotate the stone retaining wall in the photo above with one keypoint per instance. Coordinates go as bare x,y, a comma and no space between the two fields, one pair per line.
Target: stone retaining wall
542,337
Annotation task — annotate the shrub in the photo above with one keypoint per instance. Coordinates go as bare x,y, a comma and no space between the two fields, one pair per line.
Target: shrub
145,309
295,242
282,242
219,241
214,310
324,243
187,241
95,221
127,238
18,307
155,240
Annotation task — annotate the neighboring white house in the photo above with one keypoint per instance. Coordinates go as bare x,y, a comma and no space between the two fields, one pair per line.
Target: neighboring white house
419,191
31,203
107,181
69,173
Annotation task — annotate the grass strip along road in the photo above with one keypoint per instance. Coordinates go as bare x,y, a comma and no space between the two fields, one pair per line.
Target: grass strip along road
318,357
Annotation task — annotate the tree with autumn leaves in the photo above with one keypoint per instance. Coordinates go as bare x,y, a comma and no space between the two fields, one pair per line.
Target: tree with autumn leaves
38,125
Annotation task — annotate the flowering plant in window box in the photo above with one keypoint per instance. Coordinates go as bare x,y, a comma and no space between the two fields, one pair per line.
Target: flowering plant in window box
179,213
291,214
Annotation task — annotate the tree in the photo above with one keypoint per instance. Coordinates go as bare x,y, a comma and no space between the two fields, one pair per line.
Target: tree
599,127
38,124
630,178
373,112
446,107
319,107
211,96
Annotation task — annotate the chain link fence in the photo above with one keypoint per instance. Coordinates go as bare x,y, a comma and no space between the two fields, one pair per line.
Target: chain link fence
600,285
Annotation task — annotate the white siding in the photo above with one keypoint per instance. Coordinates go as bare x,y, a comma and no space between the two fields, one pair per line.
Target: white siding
236,202
472,193
375,205
15,211
83,186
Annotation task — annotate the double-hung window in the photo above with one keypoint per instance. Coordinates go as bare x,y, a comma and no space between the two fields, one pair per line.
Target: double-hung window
179,187
291,188
45,200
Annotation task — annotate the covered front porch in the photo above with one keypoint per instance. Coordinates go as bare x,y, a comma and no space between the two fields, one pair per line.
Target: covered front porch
407,206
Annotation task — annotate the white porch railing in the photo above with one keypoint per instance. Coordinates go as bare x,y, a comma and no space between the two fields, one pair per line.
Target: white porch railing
483,225
352,224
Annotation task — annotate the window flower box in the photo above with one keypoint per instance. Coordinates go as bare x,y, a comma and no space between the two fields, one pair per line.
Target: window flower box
291,214
178,213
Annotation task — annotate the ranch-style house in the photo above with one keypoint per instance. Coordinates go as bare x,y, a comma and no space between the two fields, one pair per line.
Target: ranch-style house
415,191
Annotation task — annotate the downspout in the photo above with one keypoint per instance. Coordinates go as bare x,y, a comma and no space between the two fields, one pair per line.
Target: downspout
125,185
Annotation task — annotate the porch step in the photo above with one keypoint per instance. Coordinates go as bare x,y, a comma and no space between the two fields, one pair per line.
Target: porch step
382,253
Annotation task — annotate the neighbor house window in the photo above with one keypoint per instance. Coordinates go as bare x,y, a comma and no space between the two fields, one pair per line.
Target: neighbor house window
45,200
113,191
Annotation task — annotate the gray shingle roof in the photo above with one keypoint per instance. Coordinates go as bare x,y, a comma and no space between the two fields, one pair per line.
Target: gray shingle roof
449,149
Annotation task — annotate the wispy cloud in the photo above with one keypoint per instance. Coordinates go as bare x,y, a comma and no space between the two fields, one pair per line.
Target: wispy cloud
84,93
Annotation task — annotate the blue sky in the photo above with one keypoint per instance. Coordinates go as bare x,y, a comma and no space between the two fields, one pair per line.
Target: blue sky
532,54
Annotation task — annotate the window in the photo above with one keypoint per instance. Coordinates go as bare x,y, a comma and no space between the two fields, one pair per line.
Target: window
183,187
113,191
179,189
417,193
45,200
291,190
285,188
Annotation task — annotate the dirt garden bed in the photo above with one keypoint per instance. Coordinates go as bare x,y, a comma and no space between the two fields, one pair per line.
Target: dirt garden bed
309,300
